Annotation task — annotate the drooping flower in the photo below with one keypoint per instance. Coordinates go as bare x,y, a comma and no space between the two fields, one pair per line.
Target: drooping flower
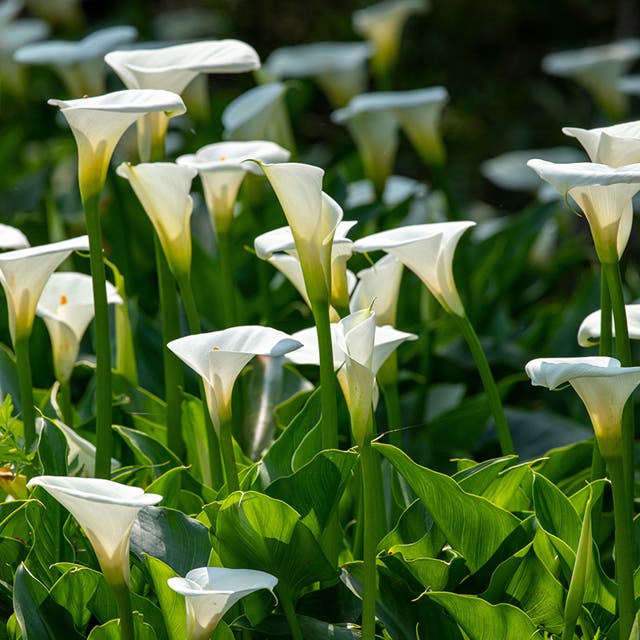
219,357
589,331
427,250
106,512
211,591
603,194
163,191
222,167
66,306
615,146
12,238
23,275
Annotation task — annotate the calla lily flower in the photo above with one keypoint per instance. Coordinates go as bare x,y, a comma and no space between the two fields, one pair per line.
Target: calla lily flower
603,194
603,385
219,357
211,591
589,331
24,274
598,69
222,169
614,146
106,512
340,68
378,289
66,306
12,238
98,123
163,191
428,250
79,64
382,24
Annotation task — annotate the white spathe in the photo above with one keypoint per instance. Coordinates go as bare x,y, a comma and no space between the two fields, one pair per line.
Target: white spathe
589,331
12,238
210,592
106,511
616,146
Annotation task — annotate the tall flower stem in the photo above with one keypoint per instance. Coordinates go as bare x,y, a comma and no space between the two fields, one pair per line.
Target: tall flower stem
104,436
290,613
469,334
623,519
228,456
329,422
388,381
227,275
173,371
64,402
23,364
123,599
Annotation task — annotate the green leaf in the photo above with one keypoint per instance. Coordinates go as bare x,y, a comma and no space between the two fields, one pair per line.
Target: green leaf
555,512
483,530
194,432
481,620
276,626
111,630
52,450
148,450
258,532
172,604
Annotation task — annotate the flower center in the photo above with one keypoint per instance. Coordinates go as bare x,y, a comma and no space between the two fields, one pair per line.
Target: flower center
216,348
63,300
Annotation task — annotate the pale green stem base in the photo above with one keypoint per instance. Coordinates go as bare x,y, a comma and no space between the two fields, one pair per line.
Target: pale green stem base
23,364
290,613
504,434
125,613
228,456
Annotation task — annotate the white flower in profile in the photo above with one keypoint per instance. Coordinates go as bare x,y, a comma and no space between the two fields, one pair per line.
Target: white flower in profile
24,274
615,146
427,250
163,191
259,114
222,168
106,512
603,385
382,25
98,124
211,591
598,69
79,64
340,68
66,306
589,331
12,238
219,357
604,194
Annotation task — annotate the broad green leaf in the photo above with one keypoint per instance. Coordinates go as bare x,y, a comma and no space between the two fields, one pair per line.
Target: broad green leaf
14,522
481,620
147,412
433,574
286,411
172,604
148,450
258,532
555,512
195,435
471,524
414,527
169,485
307,449
52,450
568,467
276,626
74,590
111,630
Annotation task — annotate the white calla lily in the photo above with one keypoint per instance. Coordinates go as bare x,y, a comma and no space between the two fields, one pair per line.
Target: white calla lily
66,306
210,592
340,68
427,250
222,167
24,274
589,331
163,191
12,238
219,357
79,64
98,124
615,146
106,511
604,386
603,194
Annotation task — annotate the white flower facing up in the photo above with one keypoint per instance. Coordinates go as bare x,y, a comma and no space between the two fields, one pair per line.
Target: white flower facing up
219,357
12,238
24,274
340,68
603,385
427,250
615,146
106,512
603,194
598,69
163,191
66,306
79,64
98,124
589,331
210,592
222,168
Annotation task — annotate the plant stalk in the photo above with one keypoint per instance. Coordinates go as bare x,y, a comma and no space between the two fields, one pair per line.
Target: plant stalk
225,255
64,402
23,364
125,613
290,613
228,456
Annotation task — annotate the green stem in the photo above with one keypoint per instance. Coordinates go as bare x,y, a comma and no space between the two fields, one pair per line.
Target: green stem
388,381
290,613
371,528
225,255
173,369
504,435
189,303
623,521
606,342
104,436
228,456
329,422
23,364
64,402
125,613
